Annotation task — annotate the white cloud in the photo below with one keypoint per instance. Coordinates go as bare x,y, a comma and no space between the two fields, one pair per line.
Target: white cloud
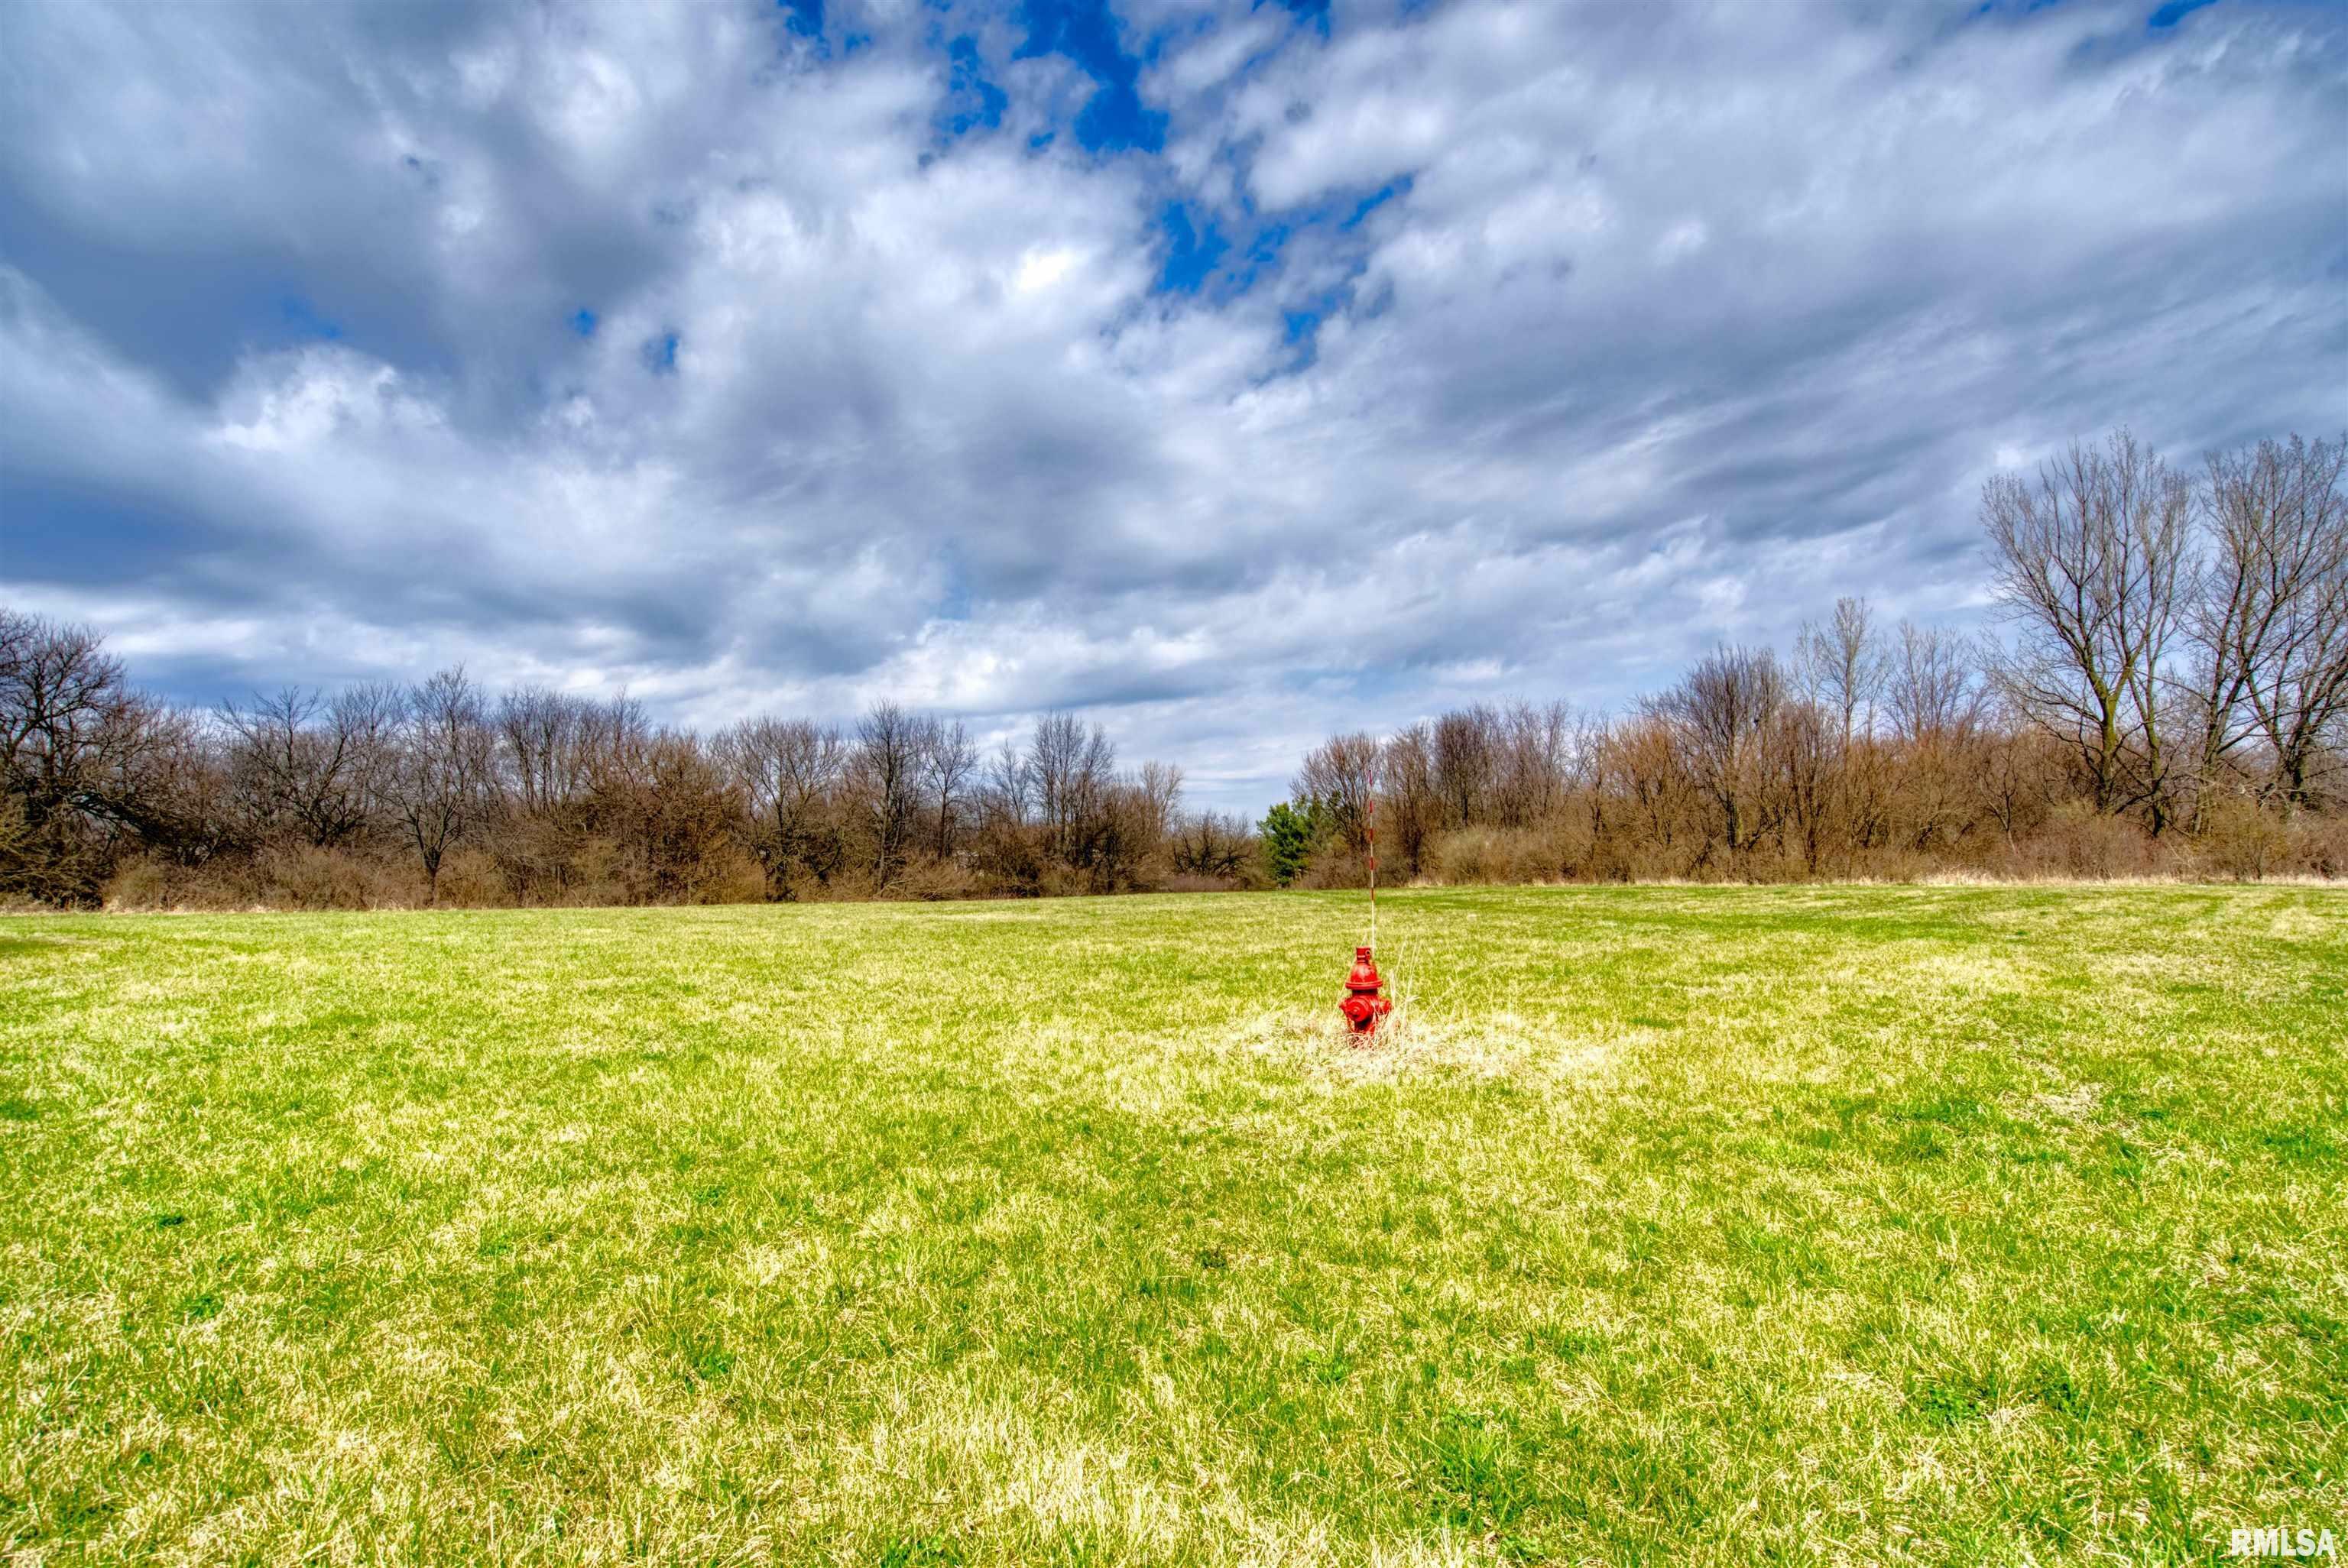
1673,324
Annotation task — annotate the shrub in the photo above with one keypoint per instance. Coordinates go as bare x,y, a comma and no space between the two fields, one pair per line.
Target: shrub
1466,855
2318,847
142,881
2081,842
931,880
1332,865
2242,842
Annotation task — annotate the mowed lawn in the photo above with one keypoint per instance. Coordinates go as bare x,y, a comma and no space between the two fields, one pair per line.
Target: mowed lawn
1669,1226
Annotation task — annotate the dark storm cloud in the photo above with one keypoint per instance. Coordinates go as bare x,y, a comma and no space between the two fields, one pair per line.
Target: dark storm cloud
1234,371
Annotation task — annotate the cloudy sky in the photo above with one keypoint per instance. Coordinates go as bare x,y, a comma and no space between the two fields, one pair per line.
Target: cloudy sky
1234,373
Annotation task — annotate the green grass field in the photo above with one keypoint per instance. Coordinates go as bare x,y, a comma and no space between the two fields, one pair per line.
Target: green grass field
1666,1225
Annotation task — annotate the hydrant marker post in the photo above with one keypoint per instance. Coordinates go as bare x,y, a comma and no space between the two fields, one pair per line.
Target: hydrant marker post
1363,1006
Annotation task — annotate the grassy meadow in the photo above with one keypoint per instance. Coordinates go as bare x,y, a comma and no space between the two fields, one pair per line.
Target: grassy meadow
1687,1226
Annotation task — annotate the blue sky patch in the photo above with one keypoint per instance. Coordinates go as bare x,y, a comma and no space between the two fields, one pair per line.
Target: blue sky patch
1087,32
1376,200
305,320
1220,256
972,101
1315,12
1193,245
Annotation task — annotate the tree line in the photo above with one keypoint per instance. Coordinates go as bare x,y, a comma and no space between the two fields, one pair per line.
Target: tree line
2169,694
444,792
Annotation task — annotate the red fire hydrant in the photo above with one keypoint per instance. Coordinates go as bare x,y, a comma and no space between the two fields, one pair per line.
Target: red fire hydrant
1363,1007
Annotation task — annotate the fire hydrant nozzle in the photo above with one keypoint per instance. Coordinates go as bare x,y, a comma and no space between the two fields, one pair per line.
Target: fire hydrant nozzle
1363,1007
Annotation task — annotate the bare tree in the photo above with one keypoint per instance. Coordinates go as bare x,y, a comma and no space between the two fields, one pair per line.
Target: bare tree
173,795
1932,688
73,739
1936,704
1805,756
544,736
1465,742
679,817
1721,714
1003,848
950,766
443,785
1009,790
888,759
1654,797
1069,768
1412,806
365,718
788,770
1534,763
1339,776
2020,775
2088,562
305,767
1840,665
1158,792
2270,613
1210,844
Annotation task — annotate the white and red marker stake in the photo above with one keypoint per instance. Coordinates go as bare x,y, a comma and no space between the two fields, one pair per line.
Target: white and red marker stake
1363,1006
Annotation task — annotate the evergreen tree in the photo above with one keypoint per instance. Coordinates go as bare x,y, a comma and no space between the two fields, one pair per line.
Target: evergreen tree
1290,836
